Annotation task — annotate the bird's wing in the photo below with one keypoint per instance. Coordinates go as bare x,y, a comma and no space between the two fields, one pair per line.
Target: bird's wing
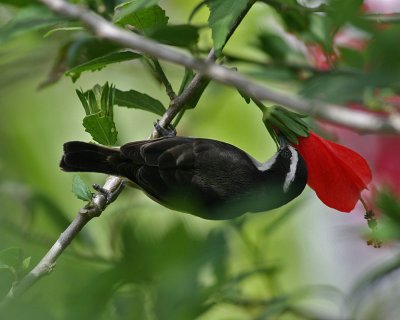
169,152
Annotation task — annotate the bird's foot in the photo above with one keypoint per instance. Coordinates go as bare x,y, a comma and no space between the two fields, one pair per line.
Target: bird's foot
165,132
109,195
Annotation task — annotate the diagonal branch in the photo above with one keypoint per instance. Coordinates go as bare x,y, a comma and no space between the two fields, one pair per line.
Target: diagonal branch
113,185
358,120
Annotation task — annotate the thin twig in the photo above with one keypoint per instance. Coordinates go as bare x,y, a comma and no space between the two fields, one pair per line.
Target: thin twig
112,184
160,72
355,119
177,104
47,263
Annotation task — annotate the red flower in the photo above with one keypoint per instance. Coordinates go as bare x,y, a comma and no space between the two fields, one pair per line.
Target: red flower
337,174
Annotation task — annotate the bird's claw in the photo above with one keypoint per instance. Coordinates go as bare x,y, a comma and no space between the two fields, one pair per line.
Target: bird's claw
165,132
110,196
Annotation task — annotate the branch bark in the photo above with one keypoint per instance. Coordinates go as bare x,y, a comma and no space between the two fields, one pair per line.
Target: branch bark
354,119
112,184
47,263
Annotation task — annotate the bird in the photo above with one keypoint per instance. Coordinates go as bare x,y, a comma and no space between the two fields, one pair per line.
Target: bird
207,178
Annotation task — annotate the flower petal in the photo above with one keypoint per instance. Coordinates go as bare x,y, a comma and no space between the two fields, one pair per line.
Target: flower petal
336,173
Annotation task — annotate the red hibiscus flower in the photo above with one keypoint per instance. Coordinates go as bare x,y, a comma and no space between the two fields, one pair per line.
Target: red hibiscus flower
337,174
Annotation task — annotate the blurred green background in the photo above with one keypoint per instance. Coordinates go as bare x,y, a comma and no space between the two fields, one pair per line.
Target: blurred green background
140,260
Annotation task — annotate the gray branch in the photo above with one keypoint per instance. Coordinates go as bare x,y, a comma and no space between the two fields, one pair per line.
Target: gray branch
47,263
355,119
358,120
112,184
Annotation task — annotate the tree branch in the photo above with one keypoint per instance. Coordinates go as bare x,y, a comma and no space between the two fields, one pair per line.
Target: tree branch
358,120
46,265
112,184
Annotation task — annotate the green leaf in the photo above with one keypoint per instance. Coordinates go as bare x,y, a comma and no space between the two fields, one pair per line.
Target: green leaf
288,123
390,206
80,189
223,15
320,31
292,121
124,11
184,35
344,12
146,19
84,101
98,104
26,262
100,62
274,46
101,128
27,20
296,19
138,100
336,88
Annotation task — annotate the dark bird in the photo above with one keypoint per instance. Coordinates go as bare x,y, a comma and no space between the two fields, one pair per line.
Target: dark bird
208,178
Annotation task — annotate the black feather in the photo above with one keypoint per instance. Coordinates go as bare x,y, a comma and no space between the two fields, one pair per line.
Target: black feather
205,177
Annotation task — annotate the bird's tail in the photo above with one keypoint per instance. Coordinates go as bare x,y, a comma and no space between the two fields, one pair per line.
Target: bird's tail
88,157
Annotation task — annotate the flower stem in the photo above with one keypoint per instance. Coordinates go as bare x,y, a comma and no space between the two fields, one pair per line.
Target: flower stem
372,224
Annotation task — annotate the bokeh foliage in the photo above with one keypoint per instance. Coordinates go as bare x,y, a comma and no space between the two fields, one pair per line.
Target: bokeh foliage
138,260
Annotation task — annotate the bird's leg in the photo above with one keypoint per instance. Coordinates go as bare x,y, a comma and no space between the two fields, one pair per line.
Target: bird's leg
110,196
165,132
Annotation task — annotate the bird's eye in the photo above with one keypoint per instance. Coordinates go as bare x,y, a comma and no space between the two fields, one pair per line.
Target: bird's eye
286,154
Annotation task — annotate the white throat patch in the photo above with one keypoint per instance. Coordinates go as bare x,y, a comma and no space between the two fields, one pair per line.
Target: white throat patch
263,166
294,159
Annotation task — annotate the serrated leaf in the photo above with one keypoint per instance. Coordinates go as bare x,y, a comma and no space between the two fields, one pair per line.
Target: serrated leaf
124,10
146,19
80,189
223,14
184,35
101,128
98,104
26,20
138,100
101,62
